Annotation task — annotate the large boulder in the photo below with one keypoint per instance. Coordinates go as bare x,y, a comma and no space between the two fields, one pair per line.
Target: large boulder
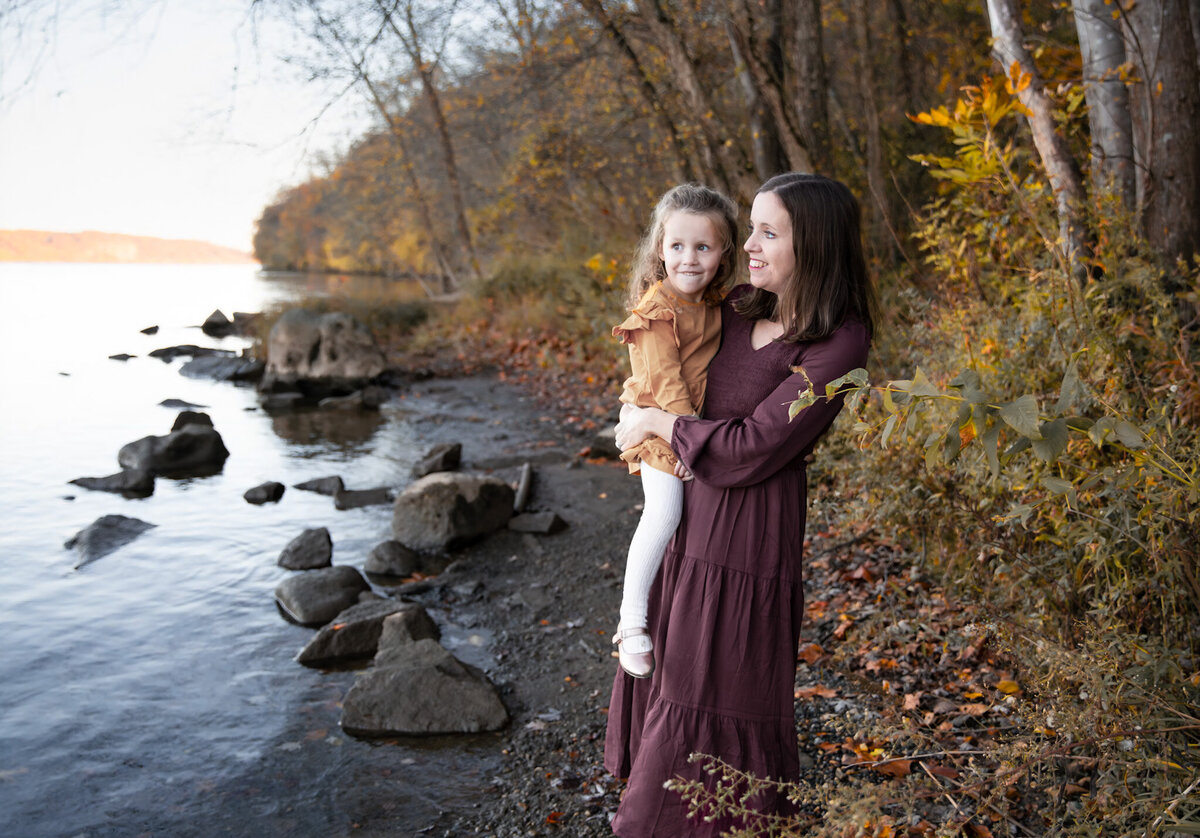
448,509
105,535
332,350
355,632
420,688
191,451
132,483
312,549
315,597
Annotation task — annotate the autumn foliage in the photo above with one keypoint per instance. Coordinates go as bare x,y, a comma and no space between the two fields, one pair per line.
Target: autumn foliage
1016,605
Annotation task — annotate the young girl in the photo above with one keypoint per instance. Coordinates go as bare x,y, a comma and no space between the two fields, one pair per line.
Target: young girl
683,267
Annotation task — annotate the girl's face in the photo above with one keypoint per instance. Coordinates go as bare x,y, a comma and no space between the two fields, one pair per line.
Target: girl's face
691,253
772,255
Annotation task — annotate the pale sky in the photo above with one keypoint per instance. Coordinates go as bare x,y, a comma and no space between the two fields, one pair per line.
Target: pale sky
168,122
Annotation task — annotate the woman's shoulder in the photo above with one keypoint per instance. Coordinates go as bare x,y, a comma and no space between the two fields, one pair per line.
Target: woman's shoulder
738,292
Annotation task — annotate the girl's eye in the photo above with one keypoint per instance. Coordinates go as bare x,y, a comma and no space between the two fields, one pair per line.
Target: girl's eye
702,247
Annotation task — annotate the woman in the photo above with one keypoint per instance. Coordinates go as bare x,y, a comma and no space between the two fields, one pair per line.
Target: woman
725,610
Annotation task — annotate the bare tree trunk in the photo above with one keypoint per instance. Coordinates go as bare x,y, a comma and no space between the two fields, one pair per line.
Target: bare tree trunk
767,84
1061,167
728,167
1166,113
683,160
812,85
764,144
1103,50
396,131
867,84
425,71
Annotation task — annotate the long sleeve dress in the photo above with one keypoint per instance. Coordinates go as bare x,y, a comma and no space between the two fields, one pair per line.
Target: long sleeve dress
725,610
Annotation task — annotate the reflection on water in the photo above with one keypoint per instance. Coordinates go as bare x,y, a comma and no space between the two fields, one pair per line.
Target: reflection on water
346,429
154,691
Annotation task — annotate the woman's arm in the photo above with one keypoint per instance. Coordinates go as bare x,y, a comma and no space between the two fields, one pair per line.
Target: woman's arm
741,452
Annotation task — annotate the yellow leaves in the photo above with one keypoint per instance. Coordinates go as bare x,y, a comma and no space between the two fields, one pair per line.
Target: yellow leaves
1008,687
1018,80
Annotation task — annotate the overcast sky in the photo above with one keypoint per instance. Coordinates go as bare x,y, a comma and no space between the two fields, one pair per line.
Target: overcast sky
171,122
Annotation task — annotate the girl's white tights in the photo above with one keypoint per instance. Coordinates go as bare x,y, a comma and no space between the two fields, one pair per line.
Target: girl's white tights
660,517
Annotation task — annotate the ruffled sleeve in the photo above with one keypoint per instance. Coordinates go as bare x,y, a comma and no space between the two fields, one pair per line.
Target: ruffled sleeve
650,332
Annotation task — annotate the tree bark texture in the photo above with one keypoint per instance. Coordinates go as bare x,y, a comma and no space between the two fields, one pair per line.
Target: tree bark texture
1061,168
812,84
768,84
1165,98
879,214
1102,48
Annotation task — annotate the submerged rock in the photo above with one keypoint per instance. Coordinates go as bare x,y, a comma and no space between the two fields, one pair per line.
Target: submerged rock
322,485
133,483
356,498
104,535
420,688
224,368
269,492
315,597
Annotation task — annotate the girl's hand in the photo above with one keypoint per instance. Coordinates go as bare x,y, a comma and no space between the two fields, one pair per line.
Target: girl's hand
628,430
681,471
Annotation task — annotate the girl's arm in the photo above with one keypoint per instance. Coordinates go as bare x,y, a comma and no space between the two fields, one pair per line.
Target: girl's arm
661,353
729,453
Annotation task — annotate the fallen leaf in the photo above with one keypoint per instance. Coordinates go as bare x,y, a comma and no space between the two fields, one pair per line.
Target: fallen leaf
941,770
810,653
840,631
895,767
816,692
912,701
1008,687
555,818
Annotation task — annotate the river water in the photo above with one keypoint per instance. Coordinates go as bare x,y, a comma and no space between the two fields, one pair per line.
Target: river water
154,692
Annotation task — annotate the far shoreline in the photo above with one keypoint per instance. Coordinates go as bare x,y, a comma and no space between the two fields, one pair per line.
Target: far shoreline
92,247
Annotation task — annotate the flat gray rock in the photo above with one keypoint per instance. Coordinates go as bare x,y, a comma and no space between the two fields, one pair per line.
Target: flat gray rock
321,485
132,483
357,498
543,523
104,535
444,457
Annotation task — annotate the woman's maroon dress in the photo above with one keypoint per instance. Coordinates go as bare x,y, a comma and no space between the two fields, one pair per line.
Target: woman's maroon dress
726,607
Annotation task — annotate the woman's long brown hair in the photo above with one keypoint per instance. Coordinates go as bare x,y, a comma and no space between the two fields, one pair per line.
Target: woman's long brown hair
830,283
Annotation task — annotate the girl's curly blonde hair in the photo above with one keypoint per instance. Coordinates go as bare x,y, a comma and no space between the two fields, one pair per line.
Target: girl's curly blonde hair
648,268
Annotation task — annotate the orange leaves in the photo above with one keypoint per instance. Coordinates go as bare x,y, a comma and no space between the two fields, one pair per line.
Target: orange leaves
816,692
810,653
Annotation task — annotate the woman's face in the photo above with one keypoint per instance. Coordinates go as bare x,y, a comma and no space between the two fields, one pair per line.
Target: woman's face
772,255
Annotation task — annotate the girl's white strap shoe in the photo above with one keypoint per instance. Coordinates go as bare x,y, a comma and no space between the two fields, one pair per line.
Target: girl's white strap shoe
635,651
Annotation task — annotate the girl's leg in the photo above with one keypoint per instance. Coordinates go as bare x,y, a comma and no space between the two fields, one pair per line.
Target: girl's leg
660,517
